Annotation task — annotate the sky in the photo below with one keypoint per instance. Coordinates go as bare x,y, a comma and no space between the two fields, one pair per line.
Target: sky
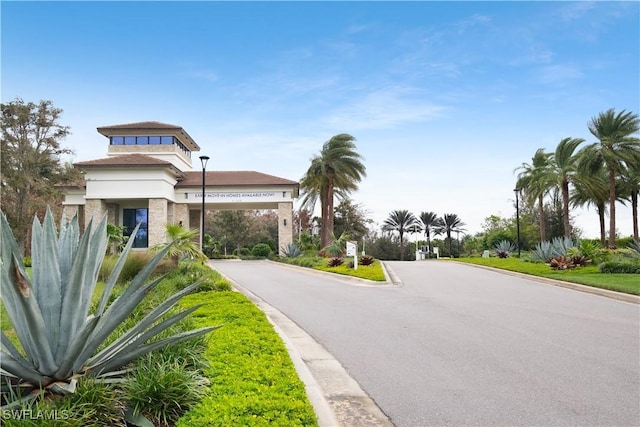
445,99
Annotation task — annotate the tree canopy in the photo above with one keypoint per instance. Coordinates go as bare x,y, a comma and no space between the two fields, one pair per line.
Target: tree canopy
32,163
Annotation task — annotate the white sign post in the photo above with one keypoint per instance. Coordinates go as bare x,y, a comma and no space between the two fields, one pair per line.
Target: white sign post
352,250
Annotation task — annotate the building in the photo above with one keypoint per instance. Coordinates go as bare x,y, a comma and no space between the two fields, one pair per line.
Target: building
147,178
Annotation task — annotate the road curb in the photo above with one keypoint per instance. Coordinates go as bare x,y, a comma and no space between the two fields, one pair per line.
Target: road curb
337,399
633,299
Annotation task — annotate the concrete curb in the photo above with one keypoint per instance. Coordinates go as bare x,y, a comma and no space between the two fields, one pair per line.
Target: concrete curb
337,399
633,299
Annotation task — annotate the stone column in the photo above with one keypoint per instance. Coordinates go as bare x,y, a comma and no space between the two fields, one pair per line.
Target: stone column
94,208
157,221
69,211
285,225
181,213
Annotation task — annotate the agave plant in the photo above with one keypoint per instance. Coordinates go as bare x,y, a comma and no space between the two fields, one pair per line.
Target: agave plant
50,310
504,248
635,248
292,250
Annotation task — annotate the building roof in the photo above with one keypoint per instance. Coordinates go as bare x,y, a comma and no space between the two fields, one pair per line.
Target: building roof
233,178
124,160
152,128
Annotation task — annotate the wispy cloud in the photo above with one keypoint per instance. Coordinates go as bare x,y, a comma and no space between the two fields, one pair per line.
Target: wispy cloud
559,74
384,108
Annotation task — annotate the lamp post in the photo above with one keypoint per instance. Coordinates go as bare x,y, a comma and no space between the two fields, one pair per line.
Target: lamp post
203,160
517,220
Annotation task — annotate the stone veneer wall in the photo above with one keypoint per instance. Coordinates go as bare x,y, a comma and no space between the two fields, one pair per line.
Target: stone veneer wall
158,209
285,232
181,213
94,208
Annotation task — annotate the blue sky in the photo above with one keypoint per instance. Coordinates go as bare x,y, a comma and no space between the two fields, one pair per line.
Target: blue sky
445,99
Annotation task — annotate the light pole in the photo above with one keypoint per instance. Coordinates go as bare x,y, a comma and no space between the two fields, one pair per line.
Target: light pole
203,160
517,220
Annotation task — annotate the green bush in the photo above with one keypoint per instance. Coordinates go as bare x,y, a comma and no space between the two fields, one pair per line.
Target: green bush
253,381
26,261
622,266
163,390
261,250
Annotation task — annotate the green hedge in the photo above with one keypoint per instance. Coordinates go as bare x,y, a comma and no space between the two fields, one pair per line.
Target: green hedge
625,267
253,381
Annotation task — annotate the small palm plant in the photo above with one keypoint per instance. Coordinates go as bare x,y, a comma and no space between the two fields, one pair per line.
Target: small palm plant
49,310
182,243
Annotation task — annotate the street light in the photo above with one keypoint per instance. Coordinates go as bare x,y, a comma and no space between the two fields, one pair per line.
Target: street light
517,220
203,160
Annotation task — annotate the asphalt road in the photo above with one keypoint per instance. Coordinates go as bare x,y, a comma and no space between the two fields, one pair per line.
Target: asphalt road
456,345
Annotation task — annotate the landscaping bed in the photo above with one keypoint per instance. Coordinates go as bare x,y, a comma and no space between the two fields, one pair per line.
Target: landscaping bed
589,276
372,272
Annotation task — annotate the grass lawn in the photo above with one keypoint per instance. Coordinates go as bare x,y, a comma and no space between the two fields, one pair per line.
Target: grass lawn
590,276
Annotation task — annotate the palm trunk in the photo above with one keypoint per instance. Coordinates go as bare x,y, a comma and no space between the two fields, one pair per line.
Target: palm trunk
428,243
543,220
634,214
603,234
612,209
449,237
401,246
565,208
323,219
328,228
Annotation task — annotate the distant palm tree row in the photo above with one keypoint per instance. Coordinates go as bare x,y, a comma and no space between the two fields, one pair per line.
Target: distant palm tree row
403,221
599,174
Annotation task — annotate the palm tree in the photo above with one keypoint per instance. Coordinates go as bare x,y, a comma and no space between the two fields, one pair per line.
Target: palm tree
592,189
400,221
564,164
534,182
616,149
430,224
631,190
449,224
336,171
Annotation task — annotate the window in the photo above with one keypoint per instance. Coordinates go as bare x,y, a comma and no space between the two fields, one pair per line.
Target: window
129,140
143,140
166,140
117,140
130,219
154,140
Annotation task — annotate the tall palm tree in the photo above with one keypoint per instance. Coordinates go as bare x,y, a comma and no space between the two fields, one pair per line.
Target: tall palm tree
400,221
450,223
617,148
534,181
564,165
336,171
592,188
431,223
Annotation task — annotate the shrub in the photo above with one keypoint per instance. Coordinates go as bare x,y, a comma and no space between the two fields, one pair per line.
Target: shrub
27,261
580,261
366,260
163,390
335,261
561,263
261,250
621,266
635,248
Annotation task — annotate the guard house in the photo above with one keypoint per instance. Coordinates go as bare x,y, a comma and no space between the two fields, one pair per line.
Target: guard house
148,178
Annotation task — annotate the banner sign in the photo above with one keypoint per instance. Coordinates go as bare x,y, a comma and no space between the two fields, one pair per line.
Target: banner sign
250,196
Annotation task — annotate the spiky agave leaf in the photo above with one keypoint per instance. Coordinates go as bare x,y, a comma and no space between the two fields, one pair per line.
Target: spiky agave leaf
53,325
